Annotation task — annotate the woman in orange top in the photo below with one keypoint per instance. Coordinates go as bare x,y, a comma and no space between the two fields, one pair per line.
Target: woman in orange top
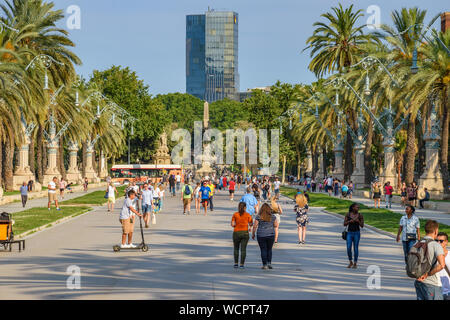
241,222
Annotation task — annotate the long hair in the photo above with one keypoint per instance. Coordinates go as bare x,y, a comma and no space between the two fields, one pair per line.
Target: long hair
352,206
242,207
265,212
301,200
274,204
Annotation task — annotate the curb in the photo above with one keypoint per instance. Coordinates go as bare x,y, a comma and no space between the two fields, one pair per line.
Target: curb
365,225
51,224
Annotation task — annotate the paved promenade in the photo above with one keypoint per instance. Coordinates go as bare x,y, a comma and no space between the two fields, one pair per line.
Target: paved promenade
191,257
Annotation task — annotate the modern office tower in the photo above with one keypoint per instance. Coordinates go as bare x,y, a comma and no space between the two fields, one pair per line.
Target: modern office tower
212,55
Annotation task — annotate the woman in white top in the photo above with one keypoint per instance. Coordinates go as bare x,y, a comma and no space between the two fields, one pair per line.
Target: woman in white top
197,198
162,189
156,199
111,196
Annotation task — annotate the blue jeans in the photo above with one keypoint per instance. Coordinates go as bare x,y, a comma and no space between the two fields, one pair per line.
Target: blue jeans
427,291
178,186
388,200
266,244
353,238
146,208
407,245
211,205
172,190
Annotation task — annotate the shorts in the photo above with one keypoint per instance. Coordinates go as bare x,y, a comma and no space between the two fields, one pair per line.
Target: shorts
112,200
231,191
205,200
277,191
146,208
187,202
61,189
278,217
127,226
377,195
52,197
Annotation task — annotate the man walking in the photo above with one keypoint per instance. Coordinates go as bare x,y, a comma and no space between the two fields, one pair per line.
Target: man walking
211,195
276,187
178,180
251,202
428,286
187,194
426,198
205,192
24,193
442,239
172,184
52,197
147,204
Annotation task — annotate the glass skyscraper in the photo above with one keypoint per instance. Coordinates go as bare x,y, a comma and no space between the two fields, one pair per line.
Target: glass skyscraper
212,55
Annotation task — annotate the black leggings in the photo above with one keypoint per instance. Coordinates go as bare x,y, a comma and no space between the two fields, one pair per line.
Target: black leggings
266,244
240,240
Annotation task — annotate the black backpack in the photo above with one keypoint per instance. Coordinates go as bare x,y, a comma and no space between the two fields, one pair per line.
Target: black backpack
187,190
417,262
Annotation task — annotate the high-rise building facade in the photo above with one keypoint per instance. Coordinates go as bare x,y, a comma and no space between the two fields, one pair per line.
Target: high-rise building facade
212,55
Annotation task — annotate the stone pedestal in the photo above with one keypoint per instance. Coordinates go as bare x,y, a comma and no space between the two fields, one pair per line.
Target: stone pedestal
389,173
321,172
358,176
338,164
52,167
89,170
432,177
23,173
73,174
103,166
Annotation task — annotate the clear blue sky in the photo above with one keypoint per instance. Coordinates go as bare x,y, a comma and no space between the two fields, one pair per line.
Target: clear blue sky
149,36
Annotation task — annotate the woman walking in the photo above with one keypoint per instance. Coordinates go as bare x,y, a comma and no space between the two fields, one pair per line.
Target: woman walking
301,209
403,194
62,188
241,222
354,221
277,211
111,196
264,227
197,198
86,184
409,230
376,194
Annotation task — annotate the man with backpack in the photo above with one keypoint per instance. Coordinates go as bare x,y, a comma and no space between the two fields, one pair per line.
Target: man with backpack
187,194
425,261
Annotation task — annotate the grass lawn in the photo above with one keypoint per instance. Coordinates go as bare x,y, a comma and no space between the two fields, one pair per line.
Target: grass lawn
11,193
379,218
93,198
33,218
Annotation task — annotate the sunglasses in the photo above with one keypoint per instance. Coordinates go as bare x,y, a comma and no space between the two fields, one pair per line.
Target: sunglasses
441,241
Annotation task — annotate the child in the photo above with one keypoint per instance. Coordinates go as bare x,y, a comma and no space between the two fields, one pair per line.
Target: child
127,220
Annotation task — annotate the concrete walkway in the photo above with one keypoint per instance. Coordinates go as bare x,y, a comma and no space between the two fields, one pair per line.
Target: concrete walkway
42,202
191,257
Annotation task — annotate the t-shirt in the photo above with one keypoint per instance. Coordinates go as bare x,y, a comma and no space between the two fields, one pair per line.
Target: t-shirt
178,178
444,277
434,250
388,190
147,197
156,193
24,190
185,196
232,185
224,181
409,225
265,228
250,201
329,182
51,187
344,188
205,192
242,222
62,185
126,212
111,193
211,187
276,185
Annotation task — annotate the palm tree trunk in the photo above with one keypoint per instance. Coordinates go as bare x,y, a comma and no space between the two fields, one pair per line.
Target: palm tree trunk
1,166
83,162
40,154
8,169
31,155
444,144
324,161
62,168
410,151
368,154
283,180
297,149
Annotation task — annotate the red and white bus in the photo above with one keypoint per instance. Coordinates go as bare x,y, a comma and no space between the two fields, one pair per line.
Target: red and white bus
126,173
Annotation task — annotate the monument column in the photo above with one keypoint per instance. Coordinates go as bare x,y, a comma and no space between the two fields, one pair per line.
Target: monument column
52,153
73,174
432,177
358,176
309,163
389,173
103,166
89,170
338,159
22,172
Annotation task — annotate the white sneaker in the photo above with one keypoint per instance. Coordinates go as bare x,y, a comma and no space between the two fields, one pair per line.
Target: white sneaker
131,246
124,246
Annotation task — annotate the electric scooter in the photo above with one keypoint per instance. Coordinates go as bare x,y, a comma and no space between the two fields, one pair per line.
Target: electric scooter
142,246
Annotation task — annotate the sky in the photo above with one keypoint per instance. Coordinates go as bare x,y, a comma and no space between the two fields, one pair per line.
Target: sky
149,36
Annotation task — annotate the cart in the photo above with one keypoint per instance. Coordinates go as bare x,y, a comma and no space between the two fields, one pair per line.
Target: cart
7,234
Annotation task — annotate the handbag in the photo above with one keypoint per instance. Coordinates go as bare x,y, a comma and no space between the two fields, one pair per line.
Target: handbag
411,236
106,195
344,233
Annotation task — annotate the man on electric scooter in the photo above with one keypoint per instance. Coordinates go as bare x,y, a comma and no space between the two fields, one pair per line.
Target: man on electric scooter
127,220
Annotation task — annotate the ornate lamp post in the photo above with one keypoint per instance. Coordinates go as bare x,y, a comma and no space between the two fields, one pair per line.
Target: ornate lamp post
45,61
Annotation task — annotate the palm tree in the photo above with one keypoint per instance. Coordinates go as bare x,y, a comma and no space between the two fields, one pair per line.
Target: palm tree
402,40
336,45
